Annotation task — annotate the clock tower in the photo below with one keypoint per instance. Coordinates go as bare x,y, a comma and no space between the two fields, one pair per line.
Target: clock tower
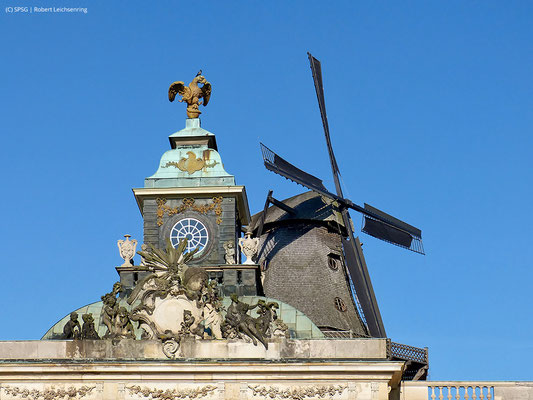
192,196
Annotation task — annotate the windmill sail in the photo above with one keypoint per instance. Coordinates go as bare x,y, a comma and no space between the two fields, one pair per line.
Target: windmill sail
319,88
276,164
355,262
358,271
375,222
392,230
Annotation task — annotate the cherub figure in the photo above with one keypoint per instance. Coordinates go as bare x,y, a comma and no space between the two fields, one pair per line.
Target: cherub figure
88,331
212,308
110,309
268,322
123,325
266,316
72,329
187,325
229,246
188,320
238,318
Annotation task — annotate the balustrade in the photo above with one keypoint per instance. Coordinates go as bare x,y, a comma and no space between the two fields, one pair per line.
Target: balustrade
457,390
461,392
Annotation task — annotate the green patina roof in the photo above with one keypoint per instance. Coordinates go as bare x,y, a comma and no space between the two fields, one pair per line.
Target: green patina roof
193,161
300,326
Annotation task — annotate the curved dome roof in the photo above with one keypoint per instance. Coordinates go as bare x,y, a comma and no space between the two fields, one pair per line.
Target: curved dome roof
300,326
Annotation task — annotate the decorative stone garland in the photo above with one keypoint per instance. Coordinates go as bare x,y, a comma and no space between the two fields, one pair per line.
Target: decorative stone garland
48,394
297,393
171,394
188,203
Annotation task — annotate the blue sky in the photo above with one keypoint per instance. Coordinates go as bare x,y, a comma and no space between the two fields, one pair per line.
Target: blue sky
430,110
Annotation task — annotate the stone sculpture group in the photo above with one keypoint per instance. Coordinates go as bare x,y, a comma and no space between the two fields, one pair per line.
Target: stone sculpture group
175,301
72,329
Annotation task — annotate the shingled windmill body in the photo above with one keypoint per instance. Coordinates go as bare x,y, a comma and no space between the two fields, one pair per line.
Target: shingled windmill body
309,254
302,262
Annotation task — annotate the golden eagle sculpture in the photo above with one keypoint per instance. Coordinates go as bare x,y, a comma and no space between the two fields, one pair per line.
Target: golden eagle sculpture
191,94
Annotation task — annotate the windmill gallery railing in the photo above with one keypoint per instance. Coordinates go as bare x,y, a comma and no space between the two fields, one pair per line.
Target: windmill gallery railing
463,390
406,352
394,350
416,357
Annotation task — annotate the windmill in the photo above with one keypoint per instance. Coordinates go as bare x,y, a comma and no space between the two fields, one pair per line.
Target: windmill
375,222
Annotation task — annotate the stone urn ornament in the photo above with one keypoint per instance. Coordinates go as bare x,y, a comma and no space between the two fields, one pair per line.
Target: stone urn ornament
249,246
126,250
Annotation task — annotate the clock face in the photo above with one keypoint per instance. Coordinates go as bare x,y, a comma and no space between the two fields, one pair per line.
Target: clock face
192,229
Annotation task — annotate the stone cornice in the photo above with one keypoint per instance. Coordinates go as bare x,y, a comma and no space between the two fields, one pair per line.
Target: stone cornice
238,192
200,372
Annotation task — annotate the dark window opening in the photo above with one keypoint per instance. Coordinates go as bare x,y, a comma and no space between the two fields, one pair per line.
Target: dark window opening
340,305
334,260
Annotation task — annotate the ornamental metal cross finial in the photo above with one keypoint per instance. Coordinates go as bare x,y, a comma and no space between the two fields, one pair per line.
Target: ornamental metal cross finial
191,94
